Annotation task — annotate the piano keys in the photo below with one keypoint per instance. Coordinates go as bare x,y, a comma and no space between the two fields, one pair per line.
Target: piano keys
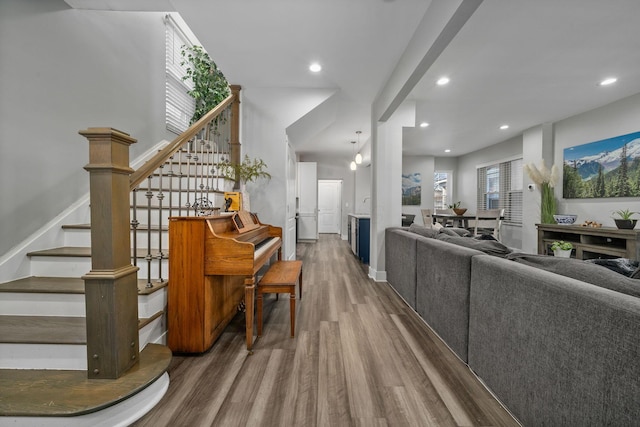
212,270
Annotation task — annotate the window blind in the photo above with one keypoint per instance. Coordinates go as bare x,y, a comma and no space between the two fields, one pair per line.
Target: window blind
179,105
500,186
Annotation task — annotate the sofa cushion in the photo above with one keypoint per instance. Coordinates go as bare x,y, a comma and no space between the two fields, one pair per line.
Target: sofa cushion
490,247
625,266
580,270
556,351
400,261
455,231
422,230
442,290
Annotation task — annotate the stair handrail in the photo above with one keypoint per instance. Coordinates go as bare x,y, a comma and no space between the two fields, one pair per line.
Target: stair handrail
161,156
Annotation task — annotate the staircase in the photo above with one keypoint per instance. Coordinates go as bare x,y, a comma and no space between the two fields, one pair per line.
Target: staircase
43,343
45,377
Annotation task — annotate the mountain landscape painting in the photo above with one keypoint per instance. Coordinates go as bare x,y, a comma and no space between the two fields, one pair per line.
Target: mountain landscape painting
606,168
411,189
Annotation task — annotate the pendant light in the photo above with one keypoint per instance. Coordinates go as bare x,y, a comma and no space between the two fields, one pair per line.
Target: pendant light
358,158
353,165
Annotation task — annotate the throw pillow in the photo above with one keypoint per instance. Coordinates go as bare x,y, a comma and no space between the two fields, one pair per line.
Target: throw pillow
490,247
456,232
624,266
422,230
437,226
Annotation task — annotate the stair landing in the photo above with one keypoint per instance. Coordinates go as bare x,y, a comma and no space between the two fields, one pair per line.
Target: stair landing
41,393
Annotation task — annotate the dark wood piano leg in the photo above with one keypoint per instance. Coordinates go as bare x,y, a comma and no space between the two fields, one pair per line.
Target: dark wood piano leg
249,294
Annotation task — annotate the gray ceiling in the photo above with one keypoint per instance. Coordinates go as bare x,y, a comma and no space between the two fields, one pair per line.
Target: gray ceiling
519,62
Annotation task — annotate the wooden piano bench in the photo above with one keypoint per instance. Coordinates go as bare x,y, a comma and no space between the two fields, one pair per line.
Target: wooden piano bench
281,277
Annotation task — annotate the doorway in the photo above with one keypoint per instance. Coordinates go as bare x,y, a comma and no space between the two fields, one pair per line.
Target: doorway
329,206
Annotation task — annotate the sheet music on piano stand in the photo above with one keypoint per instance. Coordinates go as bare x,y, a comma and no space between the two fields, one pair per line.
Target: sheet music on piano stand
244,221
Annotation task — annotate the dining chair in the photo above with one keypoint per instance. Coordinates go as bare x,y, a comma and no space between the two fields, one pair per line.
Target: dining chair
488,221
445,222
427,219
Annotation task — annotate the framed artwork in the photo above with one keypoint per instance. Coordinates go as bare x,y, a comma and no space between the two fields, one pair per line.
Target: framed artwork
606,168
411,189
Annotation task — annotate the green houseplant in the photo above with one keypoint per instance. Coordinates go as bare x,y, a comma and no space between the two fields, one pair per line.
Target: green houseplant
210,87
624,220
247,171
561,248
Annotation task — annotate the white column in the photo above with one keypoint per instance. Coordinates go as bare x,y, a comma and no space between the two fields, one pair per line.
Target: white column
537,144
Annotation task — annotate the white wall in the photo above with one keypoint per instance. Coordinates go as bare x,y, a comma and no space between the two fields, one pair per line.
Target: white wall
425,165
612,120
65,70
264,137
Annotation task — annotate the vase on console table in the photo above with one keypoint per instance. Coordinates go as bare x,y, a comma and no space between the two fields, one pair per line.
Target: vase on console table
561,253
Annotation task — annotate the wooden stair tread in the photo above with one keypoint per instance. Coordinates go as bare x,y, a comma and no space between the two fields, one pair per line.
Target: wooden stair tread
25,392
141,227
48,285
85,252
49,329
65,285
43,330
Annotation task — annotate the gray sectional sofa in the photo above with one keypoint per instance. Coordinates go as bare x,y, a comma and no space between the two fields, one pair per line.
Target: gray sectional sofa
556,350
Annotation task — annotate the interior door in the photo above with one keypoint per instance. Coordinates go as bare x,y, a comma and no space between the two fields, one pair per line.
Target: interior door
307,200
329,203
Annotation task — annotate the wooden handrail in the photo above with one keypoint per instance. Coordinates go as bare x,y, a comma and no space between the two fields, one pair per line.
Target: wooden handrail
158,160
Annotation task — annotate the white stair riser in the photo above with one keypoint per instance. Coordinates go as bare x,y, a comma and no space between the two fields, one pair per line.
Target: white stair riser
34,304
79,266
43,356
70,305
155,332
82,237
176,184
67,356
194,194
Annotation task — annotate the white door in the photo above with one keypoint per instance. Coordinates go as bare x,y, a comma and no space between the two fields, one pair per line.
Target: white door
307,200
329,203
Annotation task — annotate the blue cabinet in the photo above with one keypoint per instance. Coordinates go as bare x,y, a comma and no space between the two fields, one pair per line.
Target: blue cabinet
359,226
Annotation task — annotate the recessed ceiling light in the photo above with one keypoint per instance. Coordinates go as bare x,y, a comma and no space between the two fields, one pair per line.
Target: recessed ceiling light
609,81
503,127
424,124
442,81
315,67
447,150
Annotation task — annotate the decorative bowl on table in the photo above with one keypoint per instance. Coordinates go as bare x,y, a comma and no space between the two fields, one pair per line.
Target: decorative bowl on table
459,211
565,219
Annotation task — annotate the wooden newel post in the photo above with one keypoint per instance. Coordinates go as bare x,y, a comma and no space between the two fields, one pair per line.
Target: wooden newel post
234,140
111,292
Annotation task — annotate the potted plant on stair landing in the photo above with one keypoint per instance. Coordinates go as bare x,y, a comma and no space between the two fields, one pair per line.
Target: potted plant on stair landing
624,220
247,171
561,249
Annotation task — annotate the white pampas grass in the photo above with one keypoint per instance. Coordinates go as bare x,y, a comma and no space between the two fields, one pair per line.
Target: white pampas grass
542,175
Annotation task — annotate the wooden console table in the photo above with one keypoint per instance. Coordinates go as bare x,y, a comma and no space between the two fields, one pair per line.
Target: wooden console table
590,242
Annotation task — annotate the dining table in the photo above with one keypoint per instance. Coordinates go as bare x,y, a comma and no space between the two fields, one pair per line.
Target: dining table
461,221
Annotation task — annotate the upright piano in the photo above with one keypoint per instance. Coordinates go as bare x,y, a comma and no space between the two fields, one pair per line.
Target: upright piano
213,263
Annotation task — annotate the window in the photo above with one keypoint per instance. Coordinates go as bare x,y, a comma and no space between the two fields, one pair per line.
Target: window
441,190
500,187
179,105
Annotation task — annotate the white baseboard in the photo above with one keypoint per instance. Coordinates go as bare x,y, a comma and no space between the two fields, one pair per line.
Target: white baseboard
378,276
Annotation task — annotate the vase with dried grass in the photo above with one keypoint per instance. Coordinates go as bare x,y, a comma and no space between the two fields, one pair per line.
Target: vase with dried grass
546,179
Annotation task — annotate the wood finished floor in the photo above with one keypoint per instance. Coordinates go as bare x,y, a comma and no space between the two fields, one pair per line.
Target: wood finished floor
360,357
